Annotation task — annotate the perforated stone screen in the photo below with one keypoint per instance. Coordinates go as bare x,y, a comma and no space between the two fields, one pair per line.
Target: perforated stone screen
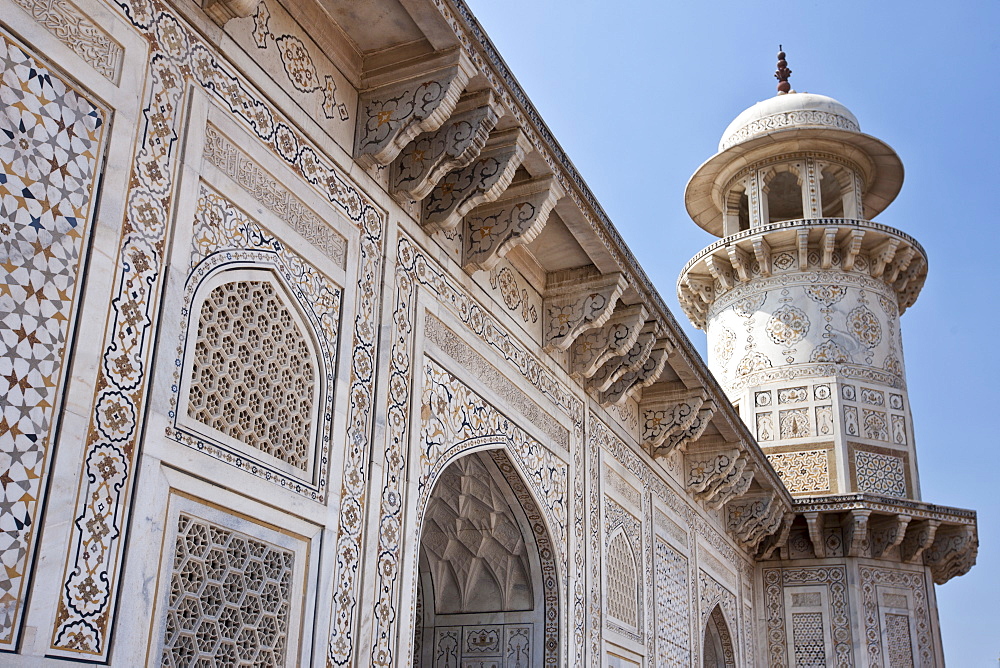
807,636
229,600
622,581
253,376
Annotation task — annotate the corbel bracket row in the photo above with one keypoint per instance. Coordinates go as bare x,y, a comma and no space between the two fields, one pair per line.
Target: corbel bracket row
400,104
751,519
574,304
596,346
459,141
514,219
672,420
481,181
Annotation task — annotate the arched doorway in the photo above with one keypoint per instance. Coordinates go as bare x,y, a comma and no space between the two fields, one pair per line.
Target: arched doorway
487,589
717,642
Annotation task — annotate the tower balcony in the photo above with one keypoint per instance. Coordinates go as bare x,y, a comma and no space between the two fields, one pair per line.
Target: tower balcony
870,526
824,247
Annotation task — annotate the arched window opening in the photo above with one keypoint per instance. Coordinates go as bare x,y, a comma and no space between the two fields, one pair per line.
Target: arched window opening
743,211
253,374
831,192
784,197
737,218
623,581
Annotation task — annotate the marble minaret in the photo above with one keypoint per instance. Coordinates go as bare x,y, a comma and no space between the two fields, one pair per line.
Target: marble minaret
801,299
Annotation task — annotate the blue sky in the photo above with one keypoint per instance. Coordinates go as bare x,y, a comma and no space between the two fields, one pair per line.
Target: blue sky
638,94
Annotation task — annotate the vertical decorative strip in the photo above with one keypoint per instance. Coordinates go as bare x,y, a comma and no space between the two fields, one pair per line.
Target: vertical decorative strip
51,142
179,58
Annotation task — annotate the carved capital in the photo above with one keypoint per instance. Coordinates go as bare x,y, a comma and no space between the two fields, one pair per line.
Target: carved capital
573,305
403,102
636,378
516,218
483,180
595,346
223,11
426,160
953,553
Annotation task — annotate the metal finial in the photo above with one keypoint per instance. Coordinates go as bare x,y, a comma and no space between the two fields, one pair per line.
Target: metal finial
782,73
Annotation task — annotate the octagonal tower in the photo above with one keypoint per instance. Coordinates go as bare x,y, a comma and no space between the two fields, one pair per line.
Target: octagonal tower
801,296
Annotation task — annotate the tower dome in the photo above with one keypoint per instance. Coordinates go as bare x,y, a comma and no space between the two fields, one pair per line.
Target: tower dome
802,132
788,111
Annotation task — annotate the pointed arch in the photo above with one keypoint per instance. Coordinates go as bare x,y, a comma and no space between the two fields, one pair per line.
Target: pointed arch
718,650
254,369
486,557
623,579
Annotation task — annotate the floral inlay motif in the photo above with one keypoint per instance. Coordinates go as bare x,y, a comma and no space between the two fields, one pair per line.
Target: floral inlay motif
865,327
788,325
827,295
724,345
829,351
753,361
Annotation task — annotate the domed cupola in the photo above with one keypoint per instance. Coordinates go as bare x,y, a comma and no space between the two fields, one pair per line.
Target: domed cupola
793,156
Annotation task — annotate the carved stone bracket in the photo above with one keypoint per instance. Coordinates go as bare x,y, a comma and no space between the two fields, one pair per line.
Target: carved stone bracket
679,440
430,156
483,180
671,414
705,469
734,485
719,268
633,358
406,101
814,522
516,218
222,11
851,248
779,539
887,534
595,346
634,379
750,520
740,260
953,553
882,256
762,251
717,477
857,532
827,245
573,305
919,537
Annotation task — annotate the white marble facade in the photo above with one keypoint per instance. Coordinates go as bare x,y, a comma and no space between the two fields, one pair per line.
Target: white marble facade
316,351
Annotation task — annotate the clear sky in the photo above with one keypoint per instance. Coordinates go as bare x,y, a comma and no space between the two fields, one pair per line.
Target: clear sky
638,94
